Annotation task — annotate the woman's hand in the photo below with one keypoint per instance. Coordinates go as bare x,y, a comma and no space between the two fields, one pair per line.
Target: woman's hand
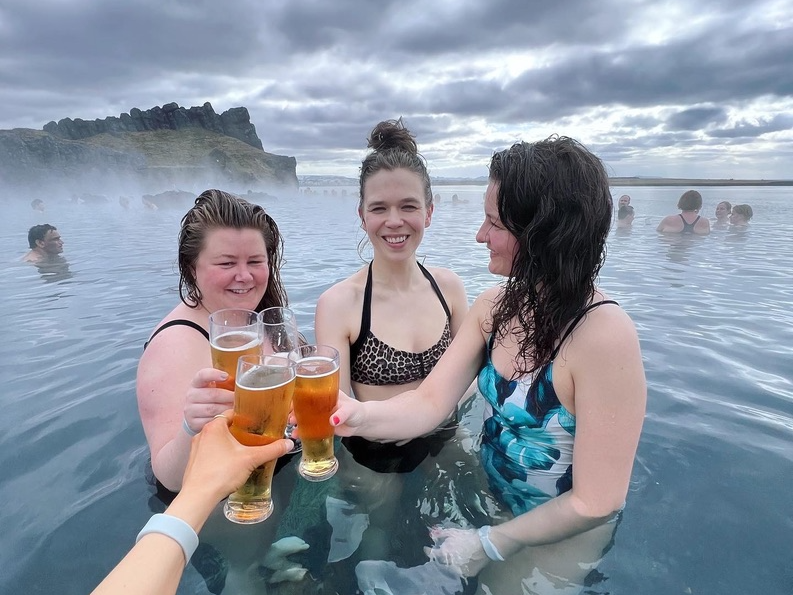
219,464
460,549
348,417
205,400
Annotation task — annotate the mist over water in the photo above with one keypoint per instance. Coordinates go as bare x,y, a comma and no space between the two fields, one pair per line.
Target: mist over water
708,510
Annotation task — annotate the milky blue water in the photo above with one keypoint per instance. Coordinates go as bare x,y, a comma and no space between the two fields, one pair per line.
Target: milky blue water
709,509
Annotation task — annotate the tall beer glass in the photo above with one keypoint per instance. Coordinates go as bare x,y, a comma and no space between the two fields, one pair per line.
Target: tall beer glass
279,330
262,401
233,332
280,336
316,394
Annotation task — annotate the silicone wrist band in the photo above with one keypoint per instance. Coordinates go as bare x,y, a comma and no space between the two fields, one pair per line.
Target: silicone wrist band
176,529
487,545
190,431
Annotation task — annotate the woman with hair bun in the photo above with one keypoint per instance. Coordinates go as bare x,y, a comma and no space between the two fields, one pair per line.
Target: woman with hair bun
392,320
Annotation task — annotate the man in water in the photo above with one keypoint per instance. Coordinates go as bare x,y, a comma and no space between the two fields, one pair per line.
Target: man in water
45,244
624,201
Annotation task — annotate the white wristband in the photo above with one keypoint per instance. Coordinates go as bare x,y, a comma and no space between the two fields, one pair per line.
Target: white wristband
176,529
487,545
190,431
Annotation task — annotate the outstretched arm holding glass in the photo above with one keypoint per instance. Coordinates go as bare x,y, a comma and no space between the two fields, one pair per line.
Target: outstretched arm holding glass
217,466
557,362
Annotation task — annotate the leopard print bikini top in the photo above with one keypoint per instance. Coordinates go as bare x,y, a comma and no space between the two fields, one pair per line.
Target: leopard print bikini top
376,364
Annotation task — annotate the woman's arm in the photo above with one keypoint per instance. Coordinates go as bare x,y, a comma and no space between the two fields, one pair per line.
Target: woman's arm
332,326
217,466
416,412
171,393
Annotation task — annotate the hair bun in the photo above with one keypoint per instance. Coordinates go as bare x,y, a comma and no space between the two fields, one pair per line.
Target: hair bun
392,134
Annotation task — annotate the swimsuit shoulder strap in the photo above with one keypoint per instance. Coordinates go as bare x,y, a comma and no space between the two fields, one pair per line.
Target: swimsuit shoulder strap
177,322
366,317
575,322
436,289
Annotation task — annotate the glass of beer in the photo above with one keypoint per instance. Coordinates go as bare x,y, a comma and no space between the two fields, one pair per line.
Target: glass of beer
316,394
280,336
233,332
279,330
263,395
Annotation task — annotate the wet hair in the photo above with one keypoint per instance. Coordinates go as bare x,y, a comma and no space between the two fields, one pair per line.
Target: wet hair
553,196
690,200
393,146
624,211
726,202
38,232
744,210
215,209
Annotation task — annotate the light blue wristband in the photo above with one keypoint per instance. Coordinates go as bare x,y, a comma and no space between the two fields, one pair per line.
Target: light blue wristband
176,529
487,545
190,431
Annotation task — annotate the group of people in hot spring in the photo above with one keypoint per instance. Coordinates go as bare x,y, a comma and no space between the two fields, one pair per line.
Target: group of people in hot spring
555,358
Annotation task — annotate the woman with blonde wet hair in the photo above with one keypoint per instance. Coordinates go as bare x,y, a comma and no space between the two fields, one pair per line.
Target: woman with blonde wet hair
230,254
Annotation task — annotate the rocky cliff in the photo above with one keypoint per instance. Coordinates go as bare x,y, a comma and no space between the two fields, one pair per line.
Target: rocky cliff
151,150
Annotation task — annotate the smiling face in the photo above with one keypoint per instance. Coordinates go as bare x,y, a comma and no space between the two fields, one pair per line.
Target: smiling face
502,244
722,211
232,269
393,212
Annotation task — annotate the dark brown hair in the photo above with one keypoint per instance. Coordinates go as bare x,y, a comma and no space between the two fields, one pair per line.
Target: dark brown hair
394,147
554,197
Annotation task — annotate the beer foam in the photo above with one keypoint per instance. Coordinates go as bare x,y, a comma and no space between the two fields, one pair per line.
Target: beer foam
317,361
253,342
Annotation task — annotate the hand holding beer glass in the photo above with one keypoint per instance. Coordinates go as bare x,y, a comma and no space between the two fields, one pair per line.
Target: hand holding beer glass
265,385
316,394
233,332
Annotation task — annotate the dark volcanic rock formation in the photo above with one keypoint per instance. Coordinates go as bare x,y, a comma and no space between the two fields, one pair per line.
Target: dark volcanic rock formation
150,151
235,123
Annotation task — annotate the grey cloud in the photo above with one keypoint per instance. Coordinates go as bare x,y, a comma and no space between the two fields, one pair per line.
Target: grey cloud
696,118
749,130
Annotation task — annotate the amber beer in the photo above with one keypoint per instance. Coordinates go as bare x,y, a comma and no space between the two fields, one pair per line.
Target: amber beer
233,332
227,350
262,400
316,394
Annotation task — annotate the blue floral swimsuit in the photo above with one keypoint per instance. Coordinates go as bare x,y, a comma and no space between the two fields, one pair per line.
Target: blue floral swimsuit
528,436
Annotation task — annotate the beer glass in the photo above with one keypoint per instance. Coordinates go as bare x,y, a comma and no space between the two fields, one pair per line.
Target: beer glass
280,336
316,394
262,400
233,332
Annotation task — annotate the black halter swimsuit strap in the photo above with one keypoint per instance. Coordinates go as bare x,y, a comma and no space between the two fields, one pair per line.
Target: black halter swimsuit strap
575,322
177,322
436,289
366,317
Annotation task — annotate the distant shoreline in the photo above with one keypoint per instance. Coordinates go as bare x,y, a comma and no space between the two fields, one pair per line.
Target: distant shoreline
694,182
316,180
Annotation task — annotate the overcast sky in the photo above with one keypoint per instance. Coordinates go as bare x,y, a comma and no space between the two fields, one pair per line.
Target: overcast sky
680,88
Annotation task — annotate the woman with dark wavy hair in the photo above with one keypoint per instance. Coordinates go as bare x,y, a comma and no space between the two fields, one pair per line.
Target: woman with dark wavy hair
559,366
230,254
